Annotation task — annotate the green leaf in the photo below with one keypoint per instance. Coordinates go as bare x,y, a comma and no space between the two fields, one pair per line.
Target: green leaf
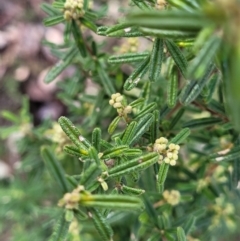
106,82
127,58
60,230
102,30
181,234
54,168
162,175
204,57
146,110
142,126
67,31
168,34
113,125
172,89
181,136
132,152
73,133
156,60
96,138
53,20
141,4
117,27
129,133
122,202
137,74
58,4
90,175
176,118
154,126
10,116
93,154
226,155
183,5
131,191
75,151
151,211
135,165
216,107
103,228
137,103
130,32
194,87
89,24
177,56
115,151
169,20
189,224
61,65
50,10
78,37
202,122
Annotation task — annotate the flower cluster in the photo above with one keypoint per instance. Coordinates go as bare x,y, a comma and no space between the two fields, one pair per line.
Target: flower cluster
168,153
131,45
73,9
117,102
71,200
172,197
223,211
160,4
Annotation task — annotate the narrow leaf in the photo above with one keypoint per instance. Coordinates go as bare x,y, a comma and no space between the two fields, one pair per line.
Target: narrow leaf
181,136
172,89
202,122
74,151
90,175
189,224
54,168
154,126
137,74
114,152
205,56
174,20
180,234
78,37
93,154
146,110
169,34
106,82
194,87
177,56
122,202
50,10
135,165
50,21
129,133
104,229
131,191
127,58
96,138
142,126
61,65
113,125
156,60
73,133
60,230
162,175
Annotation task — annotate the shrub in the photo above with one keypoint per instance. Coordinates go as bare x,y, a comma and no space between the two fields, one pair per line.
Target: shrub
156,146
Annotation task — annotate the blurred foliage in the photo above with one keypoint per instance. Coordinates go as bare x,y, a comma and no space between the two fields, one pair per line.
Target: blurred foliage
181,90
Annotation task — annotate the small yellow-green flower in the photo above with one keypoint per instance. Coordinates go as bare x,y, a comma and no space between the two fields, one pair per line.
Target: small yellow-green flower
172,197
